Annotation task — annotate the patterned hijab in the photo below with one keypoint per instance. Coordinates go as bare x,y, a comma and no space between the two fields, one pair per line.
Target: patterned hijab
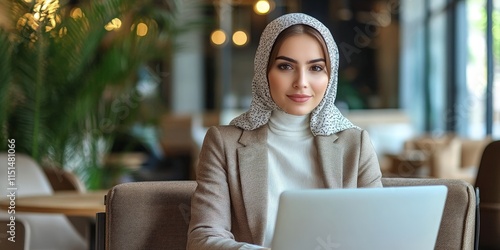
326,119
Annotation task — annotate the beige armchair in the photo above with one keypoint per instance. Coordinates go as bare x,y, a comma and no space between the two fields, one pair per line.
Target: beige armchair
155,215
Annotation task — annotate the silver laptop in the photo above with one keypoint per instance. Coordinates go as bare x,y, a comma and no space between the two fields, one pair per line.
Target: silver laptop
391,218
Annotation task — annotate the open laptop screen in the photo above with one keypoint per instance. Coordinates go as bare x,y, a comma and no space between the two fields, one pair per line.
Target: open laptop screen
365,218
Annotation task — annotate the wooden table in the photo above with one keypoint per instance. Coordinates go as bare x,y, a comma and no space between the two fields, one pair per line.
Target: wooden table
69,203
63,202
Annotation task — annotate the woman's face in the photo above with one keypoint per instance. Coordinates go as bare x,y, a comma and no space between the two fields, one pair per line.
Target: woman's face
298,76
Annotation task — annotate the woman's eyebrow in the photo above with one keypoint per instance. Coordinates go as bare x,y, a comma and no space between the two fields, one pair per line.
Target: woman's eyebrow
295,61
286,59
317,60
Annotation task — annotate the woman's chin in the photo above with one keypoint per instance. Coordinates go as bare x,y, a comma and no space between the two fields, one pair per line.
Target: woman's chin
298,112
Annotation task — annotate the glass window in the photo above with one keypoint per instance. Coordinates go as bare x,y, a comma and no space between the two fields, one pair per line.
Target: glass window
477,69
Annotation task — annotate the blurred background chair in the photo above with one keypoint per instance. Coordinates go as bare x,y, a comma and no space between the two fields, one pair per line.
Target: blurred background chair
61,180
47,231
488,182
458,159
155,215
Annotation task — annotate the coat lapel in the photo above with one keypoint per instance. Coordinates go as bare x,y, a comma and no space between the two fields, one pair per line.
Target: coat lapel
252,162
330,160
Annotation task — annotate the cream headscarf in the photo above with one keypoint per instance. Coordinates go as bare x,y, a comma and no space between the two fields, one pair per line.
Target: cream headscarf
326,119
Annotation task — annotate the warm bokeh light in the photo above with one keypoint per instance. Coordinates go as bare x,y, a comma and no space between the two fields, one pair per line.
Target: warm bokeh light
27,19
218,37
113,25
142,29
63,31
240,38
76,13
262,7
45,9
44,12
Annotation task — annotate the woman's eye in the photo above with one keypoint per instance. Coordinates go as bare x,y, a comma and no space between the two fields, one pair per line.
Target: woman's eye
316,68
284,66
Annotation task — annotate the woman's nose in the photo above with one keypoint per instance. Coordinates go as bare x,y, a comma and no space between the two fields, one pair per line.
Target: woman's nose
301,80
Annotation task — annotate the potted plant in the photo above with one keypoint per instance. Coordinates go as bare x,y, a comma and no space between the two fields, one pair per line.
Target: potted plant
69,73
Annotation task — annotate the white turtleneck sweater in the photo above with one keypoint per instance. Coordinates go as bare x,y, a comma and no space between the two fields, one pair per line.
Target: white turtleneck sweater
292,161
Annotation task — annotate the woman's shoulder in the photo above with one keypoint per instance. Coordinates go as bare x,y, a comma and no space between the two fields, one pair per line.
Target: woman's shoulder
353,134
225,129
224,132
234,133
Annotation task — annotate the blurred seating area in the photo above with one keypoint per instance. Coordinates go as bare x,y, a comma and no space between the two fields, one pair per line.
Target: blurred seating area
171,153
401,150
445,156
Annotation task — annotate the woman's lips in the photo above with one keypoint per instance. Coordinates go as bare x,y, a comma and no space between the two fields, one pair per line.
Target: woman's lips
299,97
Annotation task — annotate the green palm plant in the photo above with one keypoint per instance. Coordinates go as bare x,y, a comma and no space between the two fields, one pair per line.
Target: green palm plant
64,70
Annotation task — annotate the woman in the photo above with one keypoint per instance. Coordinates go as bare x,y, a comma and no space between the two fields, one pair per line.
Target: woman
292,137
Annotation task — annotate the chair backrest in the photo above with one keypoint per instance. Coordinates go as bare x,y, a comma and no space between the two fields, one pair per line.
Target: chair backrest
148,215
62,180
29,176
155,215
457,230
488,175
472,150
488,182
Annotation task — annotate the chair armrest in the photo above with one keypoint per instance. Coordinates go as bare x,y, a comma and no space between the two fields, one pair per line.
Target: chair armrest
489,206
458,224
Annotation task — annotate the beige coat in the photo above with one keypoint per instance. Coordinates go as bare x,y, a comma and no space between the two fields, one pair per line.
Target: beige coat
229,206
